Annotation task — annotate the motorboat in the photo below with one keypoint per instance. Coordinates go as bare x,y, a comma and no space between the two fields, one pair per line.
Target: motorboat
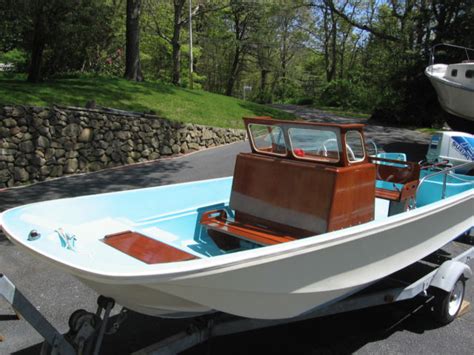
454,85
307,219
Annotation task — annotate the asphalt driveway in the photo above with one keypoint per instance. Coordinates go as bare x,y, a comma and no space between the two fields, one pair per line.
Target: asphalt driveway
389,329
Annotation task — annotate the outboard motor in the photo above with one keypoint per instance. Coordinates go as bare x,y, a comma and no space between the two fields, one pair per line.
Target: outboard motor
454,148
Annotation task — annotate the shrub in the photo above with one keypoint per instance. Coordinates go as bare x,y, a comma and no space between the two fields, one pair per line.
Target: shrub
305,101
336,93
16,57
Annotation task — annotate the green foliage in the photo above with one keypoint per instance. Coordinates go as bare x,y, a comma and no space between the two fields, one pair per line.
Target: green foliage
194,106
347,95
366,56
83,41
338,93
305,101
17,57
409,100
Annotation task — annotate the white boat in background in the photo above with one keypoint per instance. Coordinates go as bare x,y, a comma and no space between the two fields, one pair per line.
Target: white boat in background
308,219
454,84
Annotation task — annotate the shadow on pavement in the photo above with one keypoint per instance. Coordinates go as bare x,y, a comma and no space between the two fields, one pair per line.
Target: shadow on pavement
340,334
414,151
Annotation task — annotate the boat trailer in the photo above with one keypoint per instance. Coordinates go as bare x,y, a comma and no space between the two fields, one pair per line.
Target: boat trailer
444,286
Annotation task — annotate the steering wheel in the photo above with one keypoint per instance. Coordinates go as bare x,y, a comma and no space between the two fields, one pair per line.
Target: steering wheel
324,150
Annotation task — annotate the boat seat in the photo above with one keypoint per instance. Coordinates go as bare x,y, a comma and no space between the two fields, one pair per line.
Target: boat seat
405,193
397,179
217,220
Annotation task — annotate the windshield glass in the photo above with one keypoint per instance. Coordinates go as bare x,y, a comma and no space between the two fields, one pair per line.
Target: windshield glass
268,139
321,144
354,146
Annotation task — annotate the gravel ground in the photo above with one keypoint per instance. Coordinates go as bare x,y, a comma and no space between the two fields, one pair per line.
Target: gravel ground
57,295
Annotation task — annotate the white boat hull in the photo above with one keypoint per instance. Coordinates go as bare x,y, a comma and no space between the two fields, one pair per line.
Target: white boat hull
274,282
455,96
253,288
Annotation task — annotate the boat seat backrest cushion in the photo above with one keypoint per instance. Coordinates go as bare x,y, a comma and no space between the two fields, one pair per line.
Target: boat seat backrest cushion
301,195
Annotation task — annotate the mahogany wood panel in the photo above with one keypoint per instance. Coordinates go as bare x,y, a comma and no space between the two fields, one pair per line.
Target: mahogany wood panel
273,226
293,193
409,171
353,200
146,249
306,198
217,220
392,195
408,175
408,191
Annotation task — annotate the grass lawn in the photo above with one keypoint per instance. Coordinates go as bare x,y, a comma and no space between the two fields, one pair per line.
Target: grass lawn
430,131
193,106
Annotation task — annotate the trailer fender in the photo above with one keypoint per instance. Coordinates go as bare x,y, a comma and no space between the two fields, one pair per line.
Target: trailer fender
448,273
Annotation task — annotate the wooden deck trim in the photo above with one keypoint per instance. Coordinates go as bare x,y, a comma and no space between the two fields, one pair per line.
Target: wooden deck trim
242,231
146,249
407,191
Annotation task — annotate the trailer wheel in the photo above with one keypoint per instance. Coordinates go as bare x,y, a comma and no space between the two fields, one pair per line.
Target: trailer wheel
447,304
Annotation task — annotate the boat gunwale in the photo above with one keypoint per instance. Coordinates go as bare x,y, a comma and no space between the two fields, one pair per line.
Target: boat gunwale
445,81
245,258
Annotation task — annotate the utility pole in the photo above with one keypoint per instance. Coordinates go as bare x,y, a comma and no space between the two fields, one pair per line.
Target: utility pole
190,45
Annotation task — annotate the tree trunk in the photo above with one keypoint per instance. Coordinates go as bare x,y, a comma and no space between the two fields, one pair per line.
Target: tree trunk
133,70
327,35
176,72
34,72
233,72
283,57
175,42
332,73
263,85
36,61
263,81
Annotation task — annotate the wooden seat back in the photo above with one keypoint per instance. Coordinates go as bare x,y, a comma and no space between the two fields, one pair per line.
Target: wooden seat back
404,173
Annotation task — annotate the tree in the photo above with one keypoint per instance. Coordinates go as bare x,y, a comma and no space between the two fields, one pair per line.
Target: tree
56,36
133,70
46,18
10,26
172,33
243,16
173,39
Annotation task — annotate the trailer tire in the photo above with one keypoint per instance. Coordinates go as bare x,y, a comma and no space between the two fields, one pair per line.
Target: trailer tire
447,304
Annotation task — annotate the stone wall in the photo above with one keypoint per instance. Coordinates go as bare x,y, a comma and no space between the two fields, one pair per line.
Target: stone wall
37,143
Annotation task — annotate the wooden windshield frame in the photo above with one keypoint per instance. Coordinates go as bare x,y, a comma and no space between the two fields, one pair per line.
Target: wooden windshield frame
285,125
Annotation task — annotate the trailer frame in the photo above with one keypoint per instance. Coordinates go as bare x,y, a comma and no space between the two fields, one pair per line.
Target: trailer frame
442,278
